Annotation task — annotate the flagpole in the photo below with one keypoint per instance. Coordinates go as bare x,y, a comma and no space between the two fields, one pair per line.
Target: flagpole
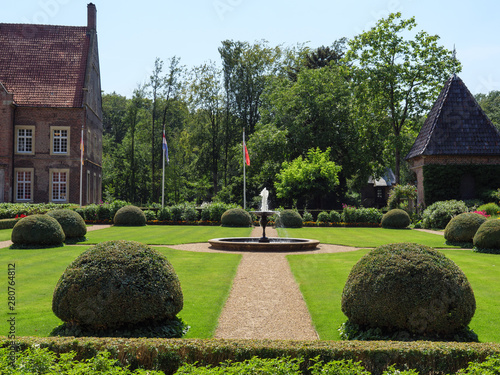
81,167
163,177
244,174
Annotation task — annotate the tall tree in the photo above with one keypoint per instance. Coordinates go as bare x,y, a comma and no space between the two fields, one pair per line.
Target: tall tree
399,77
207,103
156,83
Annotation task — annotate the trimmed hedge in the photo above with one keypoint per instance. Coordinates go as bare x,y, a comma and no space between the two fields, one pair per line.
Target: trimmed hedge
412,288
289,219
71,222
487,237
37,231
118,284
130,216
396,219
236,217
8,223
463,227
169,354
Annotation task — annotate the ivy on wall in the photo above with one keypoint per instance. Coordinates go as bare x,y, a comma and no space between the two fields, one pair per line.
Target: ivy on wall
442,182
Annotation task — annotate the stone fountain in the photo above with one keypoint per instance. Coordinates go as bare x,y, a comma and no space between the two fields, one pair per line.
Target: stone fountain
263,243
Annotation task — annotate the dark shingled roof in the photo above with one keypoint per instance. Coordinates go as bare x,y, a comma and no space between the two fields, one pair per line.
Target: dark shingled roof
456,125
44,65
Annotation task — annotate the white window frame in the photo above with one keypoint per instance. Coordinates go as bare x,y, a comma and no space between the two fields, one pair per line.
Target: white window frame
24,182
59,139
24,128
58,197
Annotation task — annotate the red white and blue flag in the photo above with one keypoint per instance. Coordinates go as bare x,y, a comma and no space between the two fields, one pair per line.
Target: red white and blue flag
165,147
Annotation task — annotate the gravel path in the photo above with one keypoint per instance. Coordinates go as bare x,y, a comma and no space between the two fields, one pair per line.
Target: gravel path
265,301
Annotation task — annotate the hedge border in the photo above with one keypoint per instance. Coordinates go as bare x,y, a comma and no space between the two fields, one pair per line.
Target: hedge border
168,354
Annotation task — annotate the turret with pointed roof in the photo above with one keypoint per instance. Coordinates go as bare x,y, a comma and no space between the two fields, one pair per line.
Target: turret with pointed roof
456,125
456,131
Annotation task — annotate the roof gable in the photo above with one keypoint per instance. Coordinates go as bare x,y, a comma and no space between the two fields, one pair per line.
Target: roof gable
456,125
44,65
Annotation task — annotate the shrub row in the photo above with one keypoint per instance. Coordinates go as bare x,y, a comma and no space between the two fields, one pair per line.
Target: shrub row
169,354
8,223
351,215
11,210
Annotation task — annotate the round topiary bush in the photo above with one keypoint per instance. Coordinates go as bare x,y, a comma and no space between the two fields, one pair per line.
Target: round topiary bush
463,227
118,285
37,231
409,288
289,219
236,217
487,237
71,222
396,218
130,216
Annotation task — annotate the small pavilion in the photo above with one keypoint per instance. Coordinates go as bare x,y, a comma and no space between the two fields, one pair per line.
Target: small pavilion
456,155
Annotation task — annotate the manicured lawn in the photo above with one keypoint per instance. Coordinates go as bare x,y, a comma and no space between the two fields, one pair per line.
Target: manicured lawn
5,234
364,237
322,277
205,278
165,234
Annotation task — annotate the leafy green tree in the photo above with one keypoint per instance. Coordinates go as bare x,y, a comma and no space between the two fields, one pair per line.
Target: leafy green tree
206,99
399,77
114,110
490,103
307,179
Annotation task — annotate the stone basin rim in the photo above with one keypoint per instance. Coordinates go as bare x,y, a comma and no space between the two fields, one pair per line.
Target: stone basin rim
253,244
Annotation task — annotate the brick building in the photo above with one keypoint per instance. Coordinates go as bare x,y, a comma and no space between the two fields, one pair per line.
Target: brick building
456,155
50,102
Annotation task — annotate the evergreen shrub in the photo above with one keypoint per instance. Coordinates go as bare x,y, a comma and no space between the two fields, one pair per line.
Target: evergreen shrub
487,237
71,222
462,228
236,217
439,214
118,285
130,216
323,217
289,219
396,218
37,231
409,290
361,215
335,217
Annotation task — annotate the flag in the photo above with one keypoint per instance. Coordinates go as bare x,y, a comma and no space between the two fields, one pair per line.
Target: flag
247,157
165,147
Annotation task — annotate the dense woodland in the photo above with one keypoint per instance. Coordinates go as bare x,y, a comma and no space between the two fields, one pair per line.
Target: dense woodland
318,121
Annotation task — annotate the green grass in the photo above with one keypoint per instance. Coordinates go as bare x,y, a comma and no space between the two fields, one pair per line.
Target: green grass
165,234
364,237
5,234
206,279
322,278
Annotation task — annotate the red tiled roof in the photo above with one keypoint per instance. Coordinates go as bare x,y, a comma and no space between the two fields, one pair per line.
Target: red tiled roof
43,65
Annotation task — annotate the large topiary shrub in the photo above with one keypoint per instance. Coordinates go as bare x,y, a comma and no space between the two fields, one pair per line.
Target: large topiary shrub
463,227
236,217
130,216
396,218
71,222
117,286
438,214
289,219
37,231
487,237
409,288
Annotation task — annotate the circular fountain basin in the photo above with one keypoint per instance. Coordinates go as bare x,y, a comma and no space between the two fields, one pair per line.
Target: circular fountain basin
253,244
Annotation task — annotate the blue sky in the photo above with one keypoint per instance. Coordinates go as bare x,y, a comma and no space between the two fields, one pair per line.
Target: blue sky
133,33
